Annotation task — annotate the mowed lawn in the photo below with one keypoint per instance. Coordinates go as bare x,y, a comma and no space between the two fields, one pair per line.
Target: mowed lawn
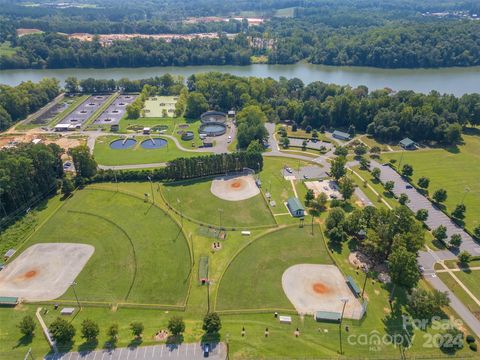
470,280
451,169
141,256
196,201
105,155
253,279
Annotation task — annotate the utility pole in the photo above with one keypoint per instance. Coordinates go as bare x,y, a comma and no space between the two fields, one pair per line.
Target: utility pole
75,293
467,189
181,211
344,300
220,211
151,187
366,269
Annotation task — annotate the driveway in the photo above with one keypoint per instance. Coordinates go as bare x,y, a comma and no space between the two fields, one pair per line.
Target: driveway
157,352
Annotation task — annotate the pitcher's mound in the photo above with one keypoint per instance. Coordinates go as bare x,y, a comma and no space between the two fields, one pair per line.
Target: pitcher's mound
234,188
311,288
44,271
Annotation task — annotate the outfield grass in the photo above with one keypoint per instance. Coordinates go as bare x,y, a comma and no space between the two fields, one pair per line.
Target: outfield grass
195,200
141,256
253,280
137,155
453,169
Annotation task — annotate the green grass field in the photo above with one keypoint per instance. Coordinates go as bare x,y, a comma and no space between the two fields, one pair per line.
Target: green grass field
197,202
6,49
470,280
141,256
137,155
453,169
253,279
160,106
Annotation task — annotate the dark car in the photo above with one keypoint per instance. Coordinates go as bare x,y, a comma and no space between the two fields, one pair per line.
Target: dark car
206,350
409,187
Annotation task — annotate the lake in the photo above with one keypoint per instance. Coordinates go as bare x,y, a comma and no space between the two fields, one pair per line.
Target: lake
457,81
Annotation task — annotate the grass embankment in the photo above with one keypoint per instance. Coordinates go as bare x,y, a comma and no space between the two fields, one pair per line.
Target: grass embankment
105,155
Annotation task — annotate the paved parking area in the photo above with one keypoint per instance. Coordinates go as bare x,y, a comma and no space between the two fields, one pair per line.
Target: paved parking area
317,145
306,172
417,201
85,110
116,110
157,352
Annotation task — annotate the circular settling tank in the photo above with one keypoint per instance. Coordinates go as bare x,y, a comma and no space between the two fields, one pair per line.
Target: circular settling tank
187,135
154,143
122,144
213,129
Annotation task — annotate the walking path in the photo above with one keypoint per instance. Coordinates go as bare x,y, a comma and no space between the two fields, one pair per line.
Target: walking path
45,330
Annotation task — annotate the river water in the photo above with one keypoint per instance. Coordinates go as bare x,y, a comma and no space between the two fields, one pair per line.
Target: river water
457,81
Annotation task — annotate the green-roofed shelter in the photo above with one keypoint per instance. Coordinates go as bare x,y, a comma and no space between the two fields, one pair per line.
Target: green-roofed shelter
8,301
353,285
330,316
295,207
341,135
408,144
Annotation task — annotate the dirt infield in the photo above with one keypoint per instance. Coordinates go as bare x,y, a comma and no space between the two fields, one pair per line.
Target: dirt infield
44,271
311,288
234,188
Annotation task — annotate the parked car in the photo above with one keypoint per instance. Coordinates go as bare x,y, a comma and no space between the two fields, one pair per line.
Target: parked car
289,170
206,350
409,187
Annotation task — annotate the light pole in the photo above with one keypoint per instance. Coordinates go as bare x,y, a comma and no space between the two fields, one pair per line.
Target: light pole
181,211
151,187
220,211
344,300
467,189
75,293
366,269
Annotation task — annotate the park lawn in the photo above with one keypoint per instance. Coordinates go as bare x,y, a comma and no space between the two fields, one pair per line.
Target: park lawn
377,185
453,169
274,182
300,133
371,142
195,200
470,280
141,256
137,155
253,280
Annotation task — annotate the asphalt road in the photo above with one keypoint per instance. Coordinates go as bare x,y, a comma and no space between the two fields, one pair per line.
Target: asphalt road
157,352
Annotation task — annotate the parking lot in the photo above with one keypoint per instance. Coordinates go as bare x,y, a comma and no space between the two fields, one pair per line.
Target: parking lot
157,352
306,172
116,110
316,145
417,201
83,112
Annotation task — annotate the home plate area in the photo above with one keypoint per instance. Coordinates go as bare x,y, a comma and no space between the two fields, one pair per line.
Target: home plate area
235,188
320,288
44,271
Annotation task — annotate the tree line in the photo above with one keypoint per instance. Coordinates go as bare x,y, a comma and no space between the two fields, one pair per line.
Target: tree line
28,173
52,50
16,102
386,115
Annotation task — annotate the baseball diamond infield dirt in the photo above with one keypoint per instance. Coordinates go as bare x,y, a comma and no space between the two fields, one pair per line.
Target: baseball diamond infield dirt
235,188
311,288
44,271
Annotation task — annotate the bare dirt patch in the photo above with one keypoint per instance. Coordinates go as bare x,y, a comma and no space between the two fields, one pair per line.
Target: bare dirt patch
234,188
44,271
311,288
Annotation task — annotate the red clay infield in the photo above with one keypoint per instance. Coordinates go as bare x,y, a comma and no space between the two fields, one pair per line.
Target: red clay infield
320,288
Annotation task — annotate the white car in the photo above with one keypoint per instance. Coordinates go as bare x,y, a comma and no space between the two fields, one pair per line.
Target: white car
289,170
